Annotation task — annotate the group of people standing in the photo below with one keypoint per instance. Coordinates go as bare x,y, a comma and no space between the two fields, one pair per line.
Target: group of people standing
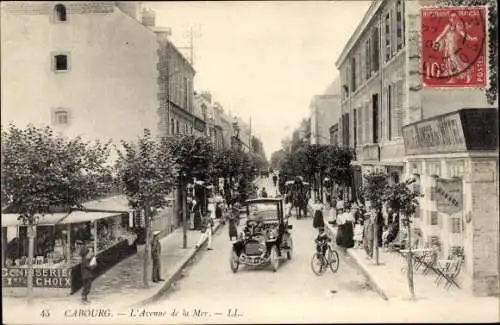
358,226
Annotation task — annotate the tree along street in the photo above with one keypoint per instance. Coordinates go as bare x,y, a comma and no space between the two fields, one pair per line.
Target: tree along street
211,278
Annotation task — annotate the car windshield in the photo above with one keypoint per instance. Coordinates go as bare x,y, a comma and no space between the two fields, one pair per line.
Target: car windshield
267,211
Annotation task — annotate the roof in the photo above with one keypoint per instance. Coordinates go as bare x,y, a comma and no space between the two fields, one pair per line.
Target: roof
82,216
369,15
11,219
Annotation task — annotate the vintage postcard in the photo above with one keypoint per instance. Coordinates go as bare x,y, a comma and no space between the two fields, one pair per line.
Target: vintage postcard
236,162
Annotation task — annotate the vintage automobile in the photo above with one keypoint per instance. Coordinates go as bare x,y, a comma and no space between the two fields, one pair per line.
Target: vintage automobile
266,238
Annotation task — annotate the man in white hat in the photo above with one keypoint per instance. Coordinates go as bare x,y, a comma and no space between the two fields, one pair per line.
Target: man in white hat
155,255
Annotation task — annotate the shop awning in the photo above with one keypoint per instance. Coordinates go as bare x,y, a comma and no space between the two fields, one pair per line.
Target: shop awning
11,219
82,216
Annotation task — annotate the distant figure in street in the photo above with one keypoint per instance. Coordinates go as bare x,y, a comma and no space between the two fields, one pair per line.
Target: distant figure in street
318,221
87,266
206,231
263,193
275,180
368,234
233,224
155,256
358,233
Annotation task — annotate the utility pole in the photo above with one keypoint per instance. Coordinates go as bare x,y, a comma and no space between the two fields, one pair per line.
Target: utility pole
192,34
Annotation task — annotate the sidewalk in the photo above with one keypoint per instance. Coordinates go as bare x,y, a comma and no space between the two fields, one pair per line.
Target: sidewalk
391,283
123,283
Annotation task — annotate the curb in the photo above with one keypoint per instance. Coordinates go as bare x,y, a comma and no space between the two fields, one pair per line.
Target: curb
176,273
371,279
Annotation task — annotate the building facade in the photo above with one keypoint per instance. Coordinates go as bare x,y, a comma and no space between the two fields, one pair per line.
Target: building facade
175,80
84,68
94,69
382,94
325,111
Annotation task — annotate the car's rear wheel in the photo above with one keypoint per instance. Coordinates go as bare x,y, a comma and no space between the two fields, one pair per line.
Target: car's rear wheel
274,258
235,263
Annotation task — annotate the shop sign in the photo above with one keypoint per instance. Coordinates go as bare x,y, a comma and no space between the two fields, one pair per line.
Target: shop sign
441,134
448,196
42,277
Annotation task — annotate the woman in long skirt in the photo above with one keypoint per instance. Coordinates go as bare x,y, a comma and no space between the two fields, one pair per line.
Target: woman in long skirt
318,221
345,232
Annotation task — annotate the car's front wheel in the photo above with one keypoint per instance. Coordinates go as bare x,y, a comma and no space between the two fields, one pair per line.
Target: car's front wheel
235,263
274,258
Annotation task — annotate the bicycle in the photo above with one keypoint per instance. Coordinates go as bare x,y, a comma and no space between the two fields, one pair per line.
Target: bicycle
329,259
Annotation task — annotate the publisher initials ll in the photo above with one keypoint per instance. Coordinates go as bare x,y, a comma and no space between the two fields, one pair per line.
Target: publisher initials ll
233,313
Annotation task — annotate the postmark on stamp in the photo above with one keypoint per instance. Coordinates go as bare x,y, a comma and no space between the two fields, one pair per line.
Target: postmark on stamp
453,47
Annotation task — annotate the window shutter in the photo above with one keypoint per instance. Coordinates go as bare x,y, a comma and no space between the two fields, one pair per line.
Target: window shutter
397,109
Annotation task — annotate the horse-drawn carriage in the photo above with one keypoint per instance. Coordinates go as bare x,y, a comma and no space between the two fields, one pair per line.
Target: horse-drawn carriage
297,196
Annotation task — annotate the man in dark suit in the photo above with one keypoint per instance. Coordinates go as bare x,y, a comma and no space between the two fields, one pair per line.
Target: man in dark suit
86,270
155,255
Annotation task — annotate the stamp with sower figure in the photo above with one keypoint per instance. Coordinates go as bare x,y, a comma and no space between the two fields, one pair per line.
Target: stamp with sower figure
453,47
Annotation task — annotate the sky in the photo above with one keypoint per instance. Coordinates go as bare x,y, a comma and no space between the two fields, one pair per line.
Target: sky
263,60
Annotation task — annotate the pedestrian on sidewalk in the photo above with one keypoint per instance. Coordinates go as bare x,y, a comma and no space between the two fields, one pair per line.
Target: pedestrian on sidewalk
87,266
368,234
345,232
155,256
206,231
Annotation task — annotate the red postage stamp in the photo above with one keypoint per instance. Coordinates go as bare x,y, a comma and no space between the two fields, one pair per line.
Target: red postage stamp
453,47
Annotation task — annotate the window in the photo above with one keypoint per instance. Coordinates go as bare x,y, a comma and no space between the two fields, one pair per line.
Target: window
387,36
375,117
186,129
204,112
61,62
60,117
397,114
375,49
186,93
455,225
355,127
400,21
368,60
389,112
172,126
177,128
434,218
60,13
353,74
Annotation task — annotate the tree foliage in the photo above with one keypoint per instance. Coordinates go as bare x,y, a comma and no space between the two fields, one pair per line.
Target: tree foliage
42,170
403,197
147,171
193,155
374,187
335,161
492,23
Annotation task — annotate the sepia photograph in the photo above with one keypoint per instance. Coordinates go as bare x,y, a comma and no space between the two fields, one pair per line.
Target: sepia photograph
249,162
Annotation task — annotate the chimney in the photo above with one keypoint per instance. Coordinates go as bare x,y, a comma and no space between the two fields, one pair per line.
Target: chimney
131,8
148,17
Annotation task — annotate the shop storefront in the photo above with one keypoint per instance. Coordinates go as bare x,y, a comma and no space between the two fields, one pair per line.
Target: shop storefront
58,238
454,158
